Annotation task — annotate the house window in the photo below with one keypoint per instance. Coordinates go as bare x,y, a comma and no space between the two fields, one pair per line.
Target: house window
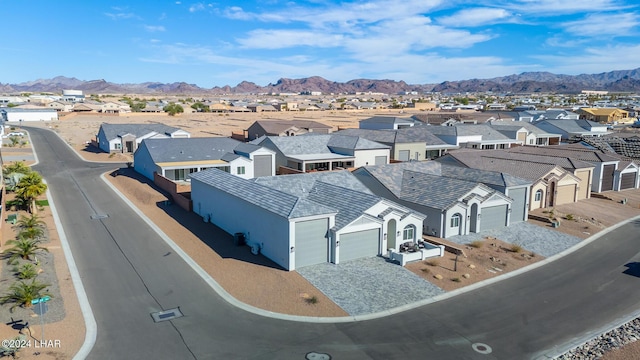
455,221
240,170
179,174
474,146
538,195
118,146
408,232
530,141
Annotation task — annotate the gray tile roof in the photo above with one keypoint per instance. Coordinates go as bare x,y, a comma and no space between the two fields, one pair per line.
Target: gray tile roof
383,136
516,125
571,125
338,190
278,126
585,154
564,162
415,134
301,184
432,190
190,149
489,177
353,142
389,120
272,200
112,131
246,148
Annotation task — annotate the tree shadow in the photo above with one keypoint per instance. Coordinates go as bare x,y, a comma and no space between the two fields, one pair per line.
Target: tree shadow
214,237
633,269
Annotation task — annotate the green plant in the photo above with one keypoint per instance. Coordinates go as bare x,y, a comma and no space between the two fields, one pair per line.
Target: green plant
26,271
23,248
477,244
21,293
43,202
112,155
29,188
515,248
569,217
311,300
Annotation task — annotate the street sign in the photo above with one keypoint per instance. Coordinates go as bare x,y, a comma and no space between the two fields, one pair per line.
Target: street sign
41,300
40,308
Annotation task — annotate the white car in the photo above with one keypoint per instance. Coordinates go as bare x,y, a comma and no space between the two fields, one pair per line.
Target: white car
16,133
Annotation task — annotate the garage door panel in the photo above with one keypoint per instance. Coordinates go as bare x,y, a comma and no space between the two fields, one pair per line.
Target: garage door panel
312,245
519,204
607,177
628,181
359,244
262,165
493,217
566,194
404,155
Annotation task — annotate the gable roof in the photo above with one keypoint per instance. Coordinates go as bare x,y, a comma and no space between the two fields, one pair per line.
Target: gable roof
389,120
314,144
189,149
572,125
113,131
585,154
278,126
484,130
272,200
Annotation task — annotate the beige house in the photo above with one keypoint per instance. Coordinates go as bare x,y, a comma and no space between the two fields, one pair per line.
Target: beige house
605,115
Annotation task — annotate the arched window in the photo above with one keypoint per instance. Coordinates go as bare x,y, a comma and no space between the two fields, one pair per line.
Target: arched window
455,221
538,195
408,233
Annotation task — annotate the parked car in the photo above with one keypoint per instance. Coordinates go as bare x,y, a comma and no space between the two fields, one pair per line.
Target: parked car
15,133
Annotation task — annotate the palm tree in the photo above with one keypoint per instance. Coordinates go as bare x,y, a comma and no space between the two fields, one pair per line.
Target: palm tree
23,248
17,167
29,188
21,293
30,222
33,233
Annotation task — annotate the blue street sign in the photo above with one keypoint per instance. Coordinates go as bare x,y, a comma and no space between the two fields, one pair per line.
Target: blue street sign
41,300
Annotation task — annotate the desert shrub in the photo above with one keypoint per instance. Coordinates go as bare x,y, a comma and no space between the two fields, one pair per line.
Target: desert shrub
569,217
425,270
456,279
432,262
312,300
477,244
515,248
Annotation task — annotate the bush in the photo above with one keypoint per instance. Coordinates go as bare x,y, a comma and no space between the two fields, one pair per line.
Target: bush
456,279
477,244
425,270
569,217
432,262
312,300
515,248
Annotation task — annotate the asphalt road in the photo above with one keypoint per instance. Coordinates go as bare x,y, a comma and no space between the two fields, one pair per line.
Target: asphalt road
129,272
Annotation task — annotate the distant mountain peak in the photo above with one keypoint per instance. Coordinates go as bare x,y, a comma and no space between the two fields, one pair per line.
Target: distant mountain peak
526,82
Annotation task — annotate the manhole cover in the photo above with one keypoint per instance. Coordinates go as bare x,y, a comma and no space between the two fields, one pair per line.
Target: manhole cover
481,348
166,315
317,356
99,216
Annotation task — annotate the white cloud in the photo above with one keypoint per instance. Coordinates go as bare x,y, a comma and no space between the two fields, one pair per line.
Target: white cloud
278,39
562,6
596,25
478,17
154,28
594,59
120,16
196,7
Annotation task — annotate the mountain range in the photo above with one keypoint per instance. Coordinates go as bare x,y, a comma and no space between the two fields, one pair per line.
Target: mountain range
528,82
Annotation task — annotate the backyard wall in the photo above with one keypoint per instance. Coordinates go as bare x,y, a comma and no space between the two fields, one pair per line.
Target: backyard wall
180,193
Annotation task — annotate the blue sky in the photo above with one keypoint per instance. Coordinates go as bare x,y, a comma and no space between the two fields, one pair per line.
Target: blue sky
223,43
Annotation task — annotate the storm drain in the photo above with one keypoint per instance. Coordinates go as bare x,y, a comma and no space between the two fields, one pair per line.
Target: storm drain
99,216
166,315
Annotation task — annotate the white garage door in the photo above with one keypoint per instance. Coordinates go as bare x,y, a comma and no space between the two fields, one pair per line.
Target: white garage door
359,244
493,217
312,246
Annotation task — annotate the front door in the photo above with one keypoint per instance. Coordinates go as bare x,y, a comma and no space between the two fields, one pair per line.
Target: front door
391,234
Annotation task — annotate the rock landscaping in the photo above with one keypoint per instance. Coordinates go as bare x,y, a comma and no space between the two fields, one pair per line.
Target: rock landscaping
598,347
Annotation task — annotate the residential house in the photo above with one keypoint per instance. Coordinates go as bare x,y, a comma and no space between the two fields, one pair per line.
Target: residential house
115,107
261,108
527,132
285,128
178,158
305,219
60,105
311,152
551,184
453,206
414,143
570,128
125,138
605,115
387,122
16,114
611,172
478,136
